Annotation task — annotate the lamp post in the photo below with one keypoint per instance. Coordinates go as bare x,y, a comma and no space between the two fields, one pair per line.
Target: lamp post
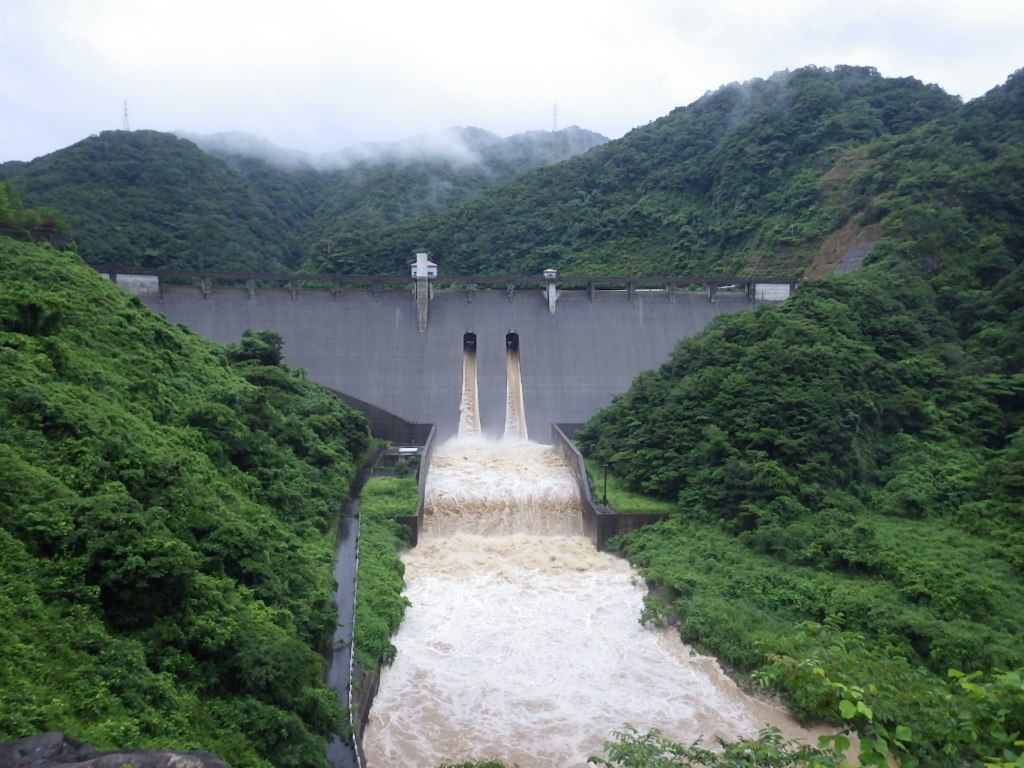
604,496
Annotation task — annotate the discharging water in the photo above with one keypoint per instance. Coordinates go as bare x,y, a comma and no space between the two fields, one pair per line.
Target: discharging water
469,409
515,410
522,643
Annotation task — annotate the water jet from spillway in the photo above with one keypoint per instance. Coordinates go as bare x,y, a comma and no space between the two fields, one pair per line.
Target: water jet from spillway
515,410
469,405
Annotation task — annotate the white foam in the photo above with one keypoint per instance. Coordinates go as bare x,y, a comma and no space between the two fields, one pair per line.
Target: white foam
469,409
515,409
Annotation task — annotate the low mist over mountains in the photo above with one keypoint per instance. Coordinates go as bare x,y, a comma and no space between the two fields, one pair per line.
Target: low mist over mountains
752,177
467,146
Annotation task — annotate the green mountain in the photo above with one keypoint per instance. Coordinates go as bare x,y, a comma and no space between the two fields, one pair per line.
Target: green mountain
334,197
384,185
167,518
149,199
751,178
854,457
740,180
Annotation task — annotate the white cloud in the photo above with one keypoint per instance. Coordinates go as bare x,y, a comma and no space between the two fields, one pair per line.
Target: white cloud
320,75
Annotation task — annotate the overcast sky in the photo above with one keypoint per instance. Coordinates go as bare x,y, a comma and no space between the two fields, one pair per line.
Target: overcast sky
319,75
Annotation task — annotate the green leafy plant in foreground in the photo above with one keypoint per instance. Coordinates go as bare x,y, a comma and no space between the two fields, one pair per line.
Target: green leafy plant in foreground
920,718
632,749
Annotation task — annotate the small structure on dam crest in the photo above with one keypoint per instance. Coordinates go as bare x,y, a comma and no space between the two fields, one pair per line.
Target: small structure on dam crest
550,275
423,271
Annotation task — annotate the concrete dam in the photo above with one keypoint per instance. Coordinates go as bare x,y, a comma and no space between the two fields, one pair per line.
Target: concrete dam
366,343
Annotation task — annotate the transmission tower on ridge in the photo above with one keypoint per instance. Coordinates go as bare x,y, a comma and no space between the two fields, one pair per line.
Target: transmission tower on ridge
124,125
554,119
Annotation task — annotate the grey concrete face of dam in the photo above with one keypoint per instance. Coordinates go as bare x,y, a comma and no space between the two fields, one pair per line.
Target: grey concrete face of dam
367,345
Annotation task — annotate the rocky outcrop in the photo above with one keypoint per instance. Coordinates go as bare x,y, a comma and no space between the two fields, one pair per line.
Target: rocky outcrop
54,750
844,250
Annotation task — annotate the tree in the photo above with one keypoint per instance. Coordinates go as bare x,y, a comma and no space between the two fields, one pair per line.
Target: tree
264,347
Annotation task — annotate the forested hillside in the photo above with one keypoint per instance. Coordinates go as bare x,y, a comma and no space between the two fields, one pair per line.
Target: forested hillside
146,198
739,181
398,183
167,509
15,218
846,468
149,199
750,178
854,457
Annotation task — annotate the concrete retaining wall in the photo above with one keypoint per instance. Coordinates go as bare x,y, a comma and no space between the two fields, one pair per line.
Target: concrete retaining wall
385,425
413,522
600,522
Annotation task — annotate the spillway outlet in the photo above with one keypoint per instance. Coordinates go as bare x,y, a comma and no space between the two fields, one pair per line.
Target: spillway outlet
469,342
512,341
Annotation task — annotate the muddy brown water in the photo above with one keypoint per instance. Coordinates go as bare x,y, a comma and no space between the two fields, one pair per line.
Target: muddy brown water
523,642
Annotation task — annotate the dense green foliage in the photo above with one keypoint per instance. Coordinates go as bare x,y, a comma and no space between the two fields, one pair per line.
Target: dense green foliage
148,199
167,509
856,455
380,604
400,182
13,215
847,468
631,749
923,719
144,198
732,182
742,180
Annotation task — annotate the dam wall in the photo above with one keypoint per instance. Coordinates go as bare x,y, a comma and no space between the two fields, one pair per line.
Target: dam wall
366,344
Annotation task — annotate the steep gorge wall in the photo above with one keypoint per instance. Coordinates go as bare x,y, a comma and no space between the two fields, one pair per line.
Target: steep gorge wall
367,346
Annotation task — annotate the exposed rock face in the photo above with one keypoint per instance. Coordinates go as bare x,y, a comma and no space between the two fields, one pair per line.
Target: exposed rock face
53,749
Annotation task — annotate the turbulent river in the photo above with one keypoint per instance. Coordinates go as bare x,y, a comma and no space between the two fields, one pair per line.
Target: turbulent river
523,642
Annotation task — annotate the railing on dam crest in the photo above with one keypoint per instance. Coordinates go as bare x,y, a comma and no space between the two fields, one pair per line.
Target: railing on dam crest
144,280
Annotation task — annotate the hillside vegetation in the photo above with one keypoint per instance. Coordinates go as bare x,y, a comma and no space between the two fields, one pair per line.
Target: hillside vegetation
167,509
752,178
854,458
148,199
14,215
144,198
396,183
380,604
846,469
740,181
